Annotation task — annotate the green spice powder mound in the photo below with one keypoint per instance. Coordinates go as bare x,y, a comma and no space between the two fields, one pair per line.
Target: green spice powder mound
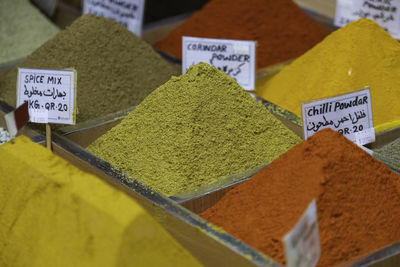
193,130
391,151
115,68
22,29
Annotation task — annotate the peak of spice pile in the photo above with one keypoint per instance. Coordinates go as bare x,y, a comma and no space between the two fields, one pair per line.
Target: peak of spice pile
53,214
358,55
22,29
115,68
358,200
282,30
193,130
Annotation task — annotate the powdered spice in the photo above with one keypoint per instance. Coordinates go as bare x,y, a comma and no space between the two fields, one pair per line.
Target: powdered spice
358,200
282,30
391,151
22,30
355,56
115,68
53,214
194,130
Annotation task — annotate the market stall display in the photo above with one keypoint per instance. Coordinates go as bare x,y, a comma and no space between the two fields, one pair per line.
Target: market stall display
358,55
23,29
115,68
59,215
358,200
391,151
193,130
282,30
191,170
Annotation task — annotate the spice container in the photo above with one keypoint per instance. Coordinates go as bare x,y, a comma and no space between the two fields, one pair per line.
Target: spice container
275,44
196,200
386,148
26,130
158,30
209,141
53,204
209,244
191,27
23,29
85,133
357,200
295,124
205,196
325,71
125,73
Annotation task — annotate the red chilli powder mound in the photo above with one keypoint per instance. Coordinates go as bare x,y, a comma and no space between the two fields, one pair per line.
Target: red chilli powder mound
358,200
282,30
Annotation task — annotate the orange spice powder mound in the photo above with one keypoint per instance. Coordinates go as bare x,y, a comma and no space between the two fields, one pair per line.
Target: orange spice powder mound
282,30
358,200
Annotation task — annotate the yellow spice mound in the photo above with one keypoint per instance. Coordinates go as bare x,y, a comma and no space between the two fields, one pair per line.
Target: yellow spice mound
52,214
349,59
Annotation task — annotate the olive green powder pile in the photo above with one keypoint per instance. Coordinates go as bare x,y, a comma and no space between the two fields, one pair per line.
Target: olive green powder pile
193,130
22,30
115,68
391,151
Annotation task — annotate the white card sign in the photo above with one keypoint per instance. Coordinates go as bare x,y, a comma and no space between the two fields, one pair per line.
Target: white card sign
129,13
384,12
302,247
50,94
350,114
235,58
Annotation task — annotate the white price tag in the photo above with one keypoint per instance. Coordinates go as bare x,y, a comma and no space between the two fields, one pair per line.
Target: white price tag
126,12
39,115
235,58
384,12
50,95
350,114
369,151
302,247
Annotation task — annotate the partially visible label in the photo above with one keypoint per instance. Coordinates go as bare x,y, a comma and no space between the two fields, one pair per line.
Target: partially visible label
129,13
16,119
385,12
50,95
235,58
350,114
302,247
39,116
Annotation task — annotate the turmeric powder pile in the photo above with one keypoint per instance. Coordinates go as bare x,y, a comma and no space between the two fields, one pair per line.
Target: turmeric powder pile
349,59
53,214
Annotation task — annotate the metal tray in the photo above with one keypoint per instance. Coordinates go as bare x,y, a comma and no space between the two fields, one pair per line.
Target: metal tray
295,124
211,245
152,33
197,199
161,29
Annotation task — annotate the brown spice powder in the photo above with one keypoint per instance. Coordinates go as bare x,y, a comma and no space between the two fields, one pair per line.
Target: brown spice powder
282,30
358,200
